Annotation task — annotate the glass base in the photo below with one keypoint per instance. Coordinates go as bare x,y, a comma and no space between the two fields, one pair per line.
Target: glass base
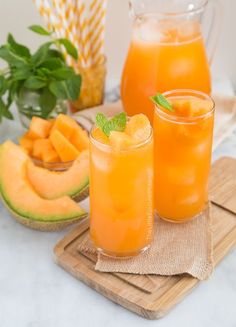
181,221
125,255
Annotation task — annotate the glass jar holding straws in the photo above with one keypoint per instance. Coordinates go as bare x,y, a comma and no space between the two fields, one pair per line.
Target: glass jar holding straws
83,23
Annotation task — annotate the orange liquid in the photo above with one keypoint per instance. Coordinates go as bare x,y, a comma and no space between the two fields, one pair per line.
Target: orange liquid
182,156
121,197
163,57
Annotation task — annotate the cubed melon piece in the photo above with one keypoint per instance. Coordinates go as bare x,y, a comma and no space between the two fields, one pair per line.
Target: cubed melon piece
26,143
50,155
41,146
65,150
120,140
100,136
65,124
39,128
79,138
139,128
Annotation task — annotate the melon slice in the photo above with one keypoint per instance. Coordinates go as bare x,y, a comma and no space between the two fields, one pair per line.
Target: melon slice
65,124
79,139
20,196
39,128
65,150
51,185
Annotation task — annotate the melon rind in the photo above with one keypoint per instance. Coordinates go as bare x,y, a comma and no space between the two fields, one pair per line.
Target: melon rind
29,204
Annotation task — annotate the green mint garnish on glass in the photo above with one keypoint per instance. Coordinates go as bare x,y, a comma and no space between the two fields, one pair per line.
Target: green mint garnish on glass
160,100
117,123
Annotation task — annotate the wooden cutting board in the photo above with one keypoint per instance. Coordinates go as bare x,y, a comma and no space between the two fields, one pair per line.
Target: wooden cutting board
148,295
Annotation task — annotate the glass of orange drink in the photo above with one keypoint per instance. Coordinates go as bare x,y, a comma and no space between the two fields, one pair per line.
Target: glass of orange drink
121,185
182,154
167,51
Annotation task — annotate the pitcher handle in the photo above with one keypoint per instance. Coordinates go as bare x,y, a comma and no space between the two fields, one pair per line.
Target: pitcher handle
214,30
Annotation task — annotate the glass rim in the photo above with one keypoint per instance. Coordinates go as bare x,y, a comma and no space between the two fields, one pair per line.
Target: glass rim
109,147
196,10
184,119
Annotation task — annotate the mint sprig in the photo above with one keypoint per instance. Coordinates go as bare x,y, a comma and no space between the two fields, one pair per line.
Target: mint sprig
117,123
160,100
44,71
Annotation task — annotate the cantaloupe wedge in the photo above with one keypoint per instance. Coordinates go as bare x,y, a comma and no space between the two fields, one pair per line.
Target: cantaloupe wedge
39,128
22,199
51,185
65,150
26,143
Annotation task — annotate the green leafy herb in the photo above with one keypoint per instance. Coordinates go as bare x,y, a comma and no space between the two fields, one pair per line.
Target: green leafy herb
39,30
160,100
117,123
45,71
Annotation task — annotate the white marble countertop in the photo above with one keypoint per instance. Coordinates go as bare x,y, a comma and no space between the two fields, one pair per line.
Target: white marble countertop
35,292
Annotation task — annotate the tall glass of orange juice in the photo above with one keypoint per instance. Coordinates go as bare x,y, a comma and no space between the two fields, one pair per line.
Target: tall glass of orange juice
167,51
121,192
182,154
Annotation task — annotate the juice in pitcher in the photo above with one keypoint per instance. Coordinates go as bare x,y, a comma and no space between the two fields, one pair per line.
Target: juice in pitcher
163,55
171,47
182,154
121,193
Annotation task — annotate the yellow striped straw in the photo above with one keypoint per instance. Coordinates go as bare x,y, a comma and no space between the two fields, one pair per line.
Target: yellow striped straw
80,21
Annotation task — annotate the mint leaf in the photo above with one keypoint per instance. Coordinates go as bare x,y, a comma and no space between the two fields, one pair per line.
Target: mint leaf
53,53
63,73
23,73
18,48
160,100
41,54
47,102
3,85
69,89
39,30
4,112
117,123
101,120
10,57
35,83
52,63
71,50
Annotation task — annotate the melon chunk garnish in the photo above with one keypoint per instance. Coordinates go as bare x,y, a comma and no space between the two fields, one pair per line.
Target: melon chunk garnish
66,151
138,128
120,140
21,197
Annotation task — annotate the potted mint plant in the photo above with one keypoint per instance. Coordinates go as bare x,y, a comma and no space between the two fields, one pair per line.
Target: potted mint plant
40,83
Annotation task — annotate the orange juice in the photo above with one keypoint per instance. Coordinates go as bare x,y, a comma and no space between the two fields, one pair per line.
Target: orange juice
163,55
121,193
182,155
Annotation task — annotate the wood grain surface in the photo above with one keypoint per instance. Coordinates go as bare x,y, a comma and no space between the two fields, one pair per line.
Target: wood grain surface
153,296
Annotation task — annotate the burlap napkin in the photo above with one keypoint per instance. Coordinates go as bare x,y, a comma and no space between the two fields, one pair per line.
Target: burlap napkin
176,249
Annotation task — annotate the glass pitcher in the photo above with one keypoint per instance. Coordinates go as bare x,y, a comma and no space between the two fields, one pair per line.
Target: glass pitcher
168,50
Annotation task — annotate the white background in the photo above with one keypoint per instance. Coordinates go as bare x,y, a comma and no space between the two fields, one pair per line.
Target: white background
16,15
